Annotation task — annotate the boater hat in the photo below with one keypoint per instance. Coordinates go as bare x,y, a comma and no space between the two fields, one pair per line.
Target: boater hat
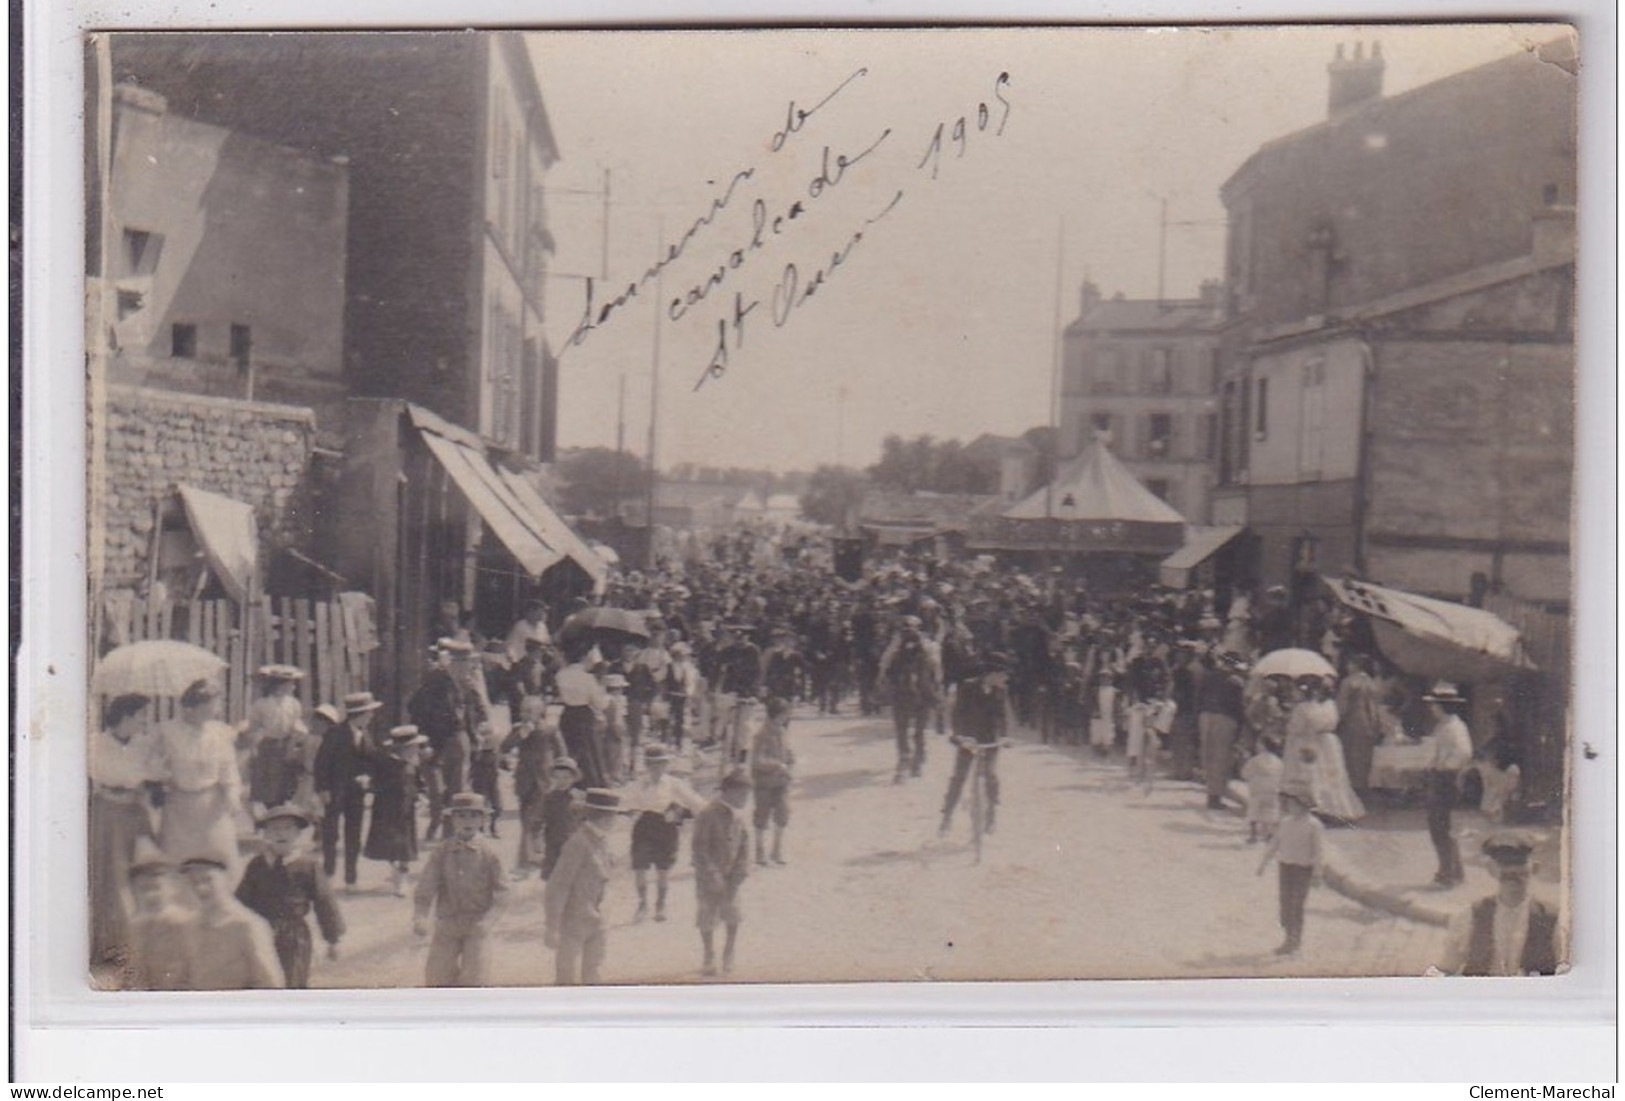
402,736
285,810
280,672
1444,692
566,764
466,801
357,702
656,752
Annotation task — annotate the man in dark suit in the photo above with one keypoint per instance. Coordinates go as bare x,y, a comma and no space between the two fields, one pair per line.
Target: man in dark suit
448,709
343,775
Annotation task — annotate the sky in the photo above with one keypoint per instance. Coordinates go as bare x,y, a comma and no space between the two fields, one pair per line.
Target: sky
939,261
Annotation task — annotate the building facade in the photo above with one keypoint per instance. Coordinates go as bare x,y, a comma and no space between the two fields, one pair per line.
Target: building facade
1143,373
1397,370
446,140
226,260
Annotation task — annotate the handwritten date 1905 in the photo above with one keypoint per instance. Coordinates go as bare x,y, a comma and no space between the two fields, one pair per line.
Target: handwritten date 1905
959,132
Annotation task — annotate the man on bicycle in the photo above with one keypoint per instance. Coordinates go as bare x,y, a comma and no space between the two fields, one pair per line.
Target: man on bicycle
739,672
979,718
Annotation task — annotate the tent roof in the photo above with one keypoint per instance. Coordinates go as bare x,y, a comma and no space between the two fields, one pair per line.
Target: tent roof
1095,486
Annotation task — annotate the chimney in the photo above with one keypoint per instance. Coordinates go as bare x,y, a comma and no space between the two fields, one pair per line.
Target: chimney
1353,82
1088,297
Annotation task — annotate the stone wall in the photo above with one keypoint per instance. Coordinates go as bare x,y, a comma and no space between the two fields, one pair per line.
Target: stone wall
251,451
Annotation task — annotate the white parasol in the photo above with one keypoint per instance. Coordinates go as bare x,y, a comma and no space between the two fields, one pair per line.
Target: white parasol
1293,663
155,667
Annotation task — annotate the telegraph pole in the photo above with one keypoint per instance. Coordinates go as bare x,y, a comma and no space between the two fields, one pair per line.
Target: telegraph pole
654,397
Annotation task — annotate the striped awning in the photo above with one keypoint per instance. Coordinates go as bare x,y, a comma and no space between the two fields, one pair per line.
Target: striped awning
536,536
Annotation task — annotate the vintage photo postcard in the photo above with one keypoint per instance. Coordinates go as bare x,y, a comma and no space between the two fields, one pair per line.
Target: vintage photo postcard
787,506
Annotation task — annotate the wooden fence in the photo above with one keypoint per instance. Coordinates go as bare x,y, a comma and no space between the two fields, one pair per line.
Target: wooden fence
330,640
1545,634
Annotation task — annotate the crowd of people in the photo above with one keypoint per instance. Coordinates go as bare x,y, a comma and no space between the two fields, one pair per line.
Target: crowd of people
589,724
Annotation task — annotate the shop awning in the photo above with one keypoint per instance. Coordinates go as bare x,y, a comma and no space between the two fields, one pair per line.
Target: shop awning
533,533
226,531
1201,543
553,528
1436,638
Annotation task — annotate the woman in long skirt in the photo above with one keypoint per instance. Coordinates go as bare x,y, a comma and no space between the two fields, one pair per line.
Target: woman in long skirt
1312,727
121,766
393,834
203,788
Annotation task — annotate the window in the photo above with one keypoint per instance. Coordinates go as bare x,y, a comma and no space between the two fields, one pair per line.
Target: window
141,249
129,302
1159,439
1160,376
1214,372
183,341
242,346
1077,371
1210,444
1097,426
1105,370
1261,426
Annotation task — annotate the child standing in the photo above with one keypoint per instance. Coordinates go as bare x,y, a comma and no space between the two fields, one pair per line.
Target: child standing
275,737
463,884
234,946
661,801
558,811
1298,847
1072,706
393,835
282,885
1262,774
771,762
1158,721
162,935
721,863
483,768
535,746
1103,722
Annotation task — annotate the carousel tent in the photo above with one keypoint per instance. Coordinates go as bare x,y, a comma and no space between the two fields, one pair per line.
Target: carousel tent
1094,504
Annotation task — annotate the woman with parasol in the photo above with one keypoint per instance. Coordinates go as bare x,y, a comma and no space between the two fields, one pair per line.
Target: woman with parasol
122,767
1315,751
202,784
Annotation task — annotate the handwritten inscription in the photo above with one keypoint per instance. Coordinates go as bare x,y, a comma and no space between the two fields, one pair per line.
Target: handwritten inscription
762,227
961,130
797,282
795,118
591,319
